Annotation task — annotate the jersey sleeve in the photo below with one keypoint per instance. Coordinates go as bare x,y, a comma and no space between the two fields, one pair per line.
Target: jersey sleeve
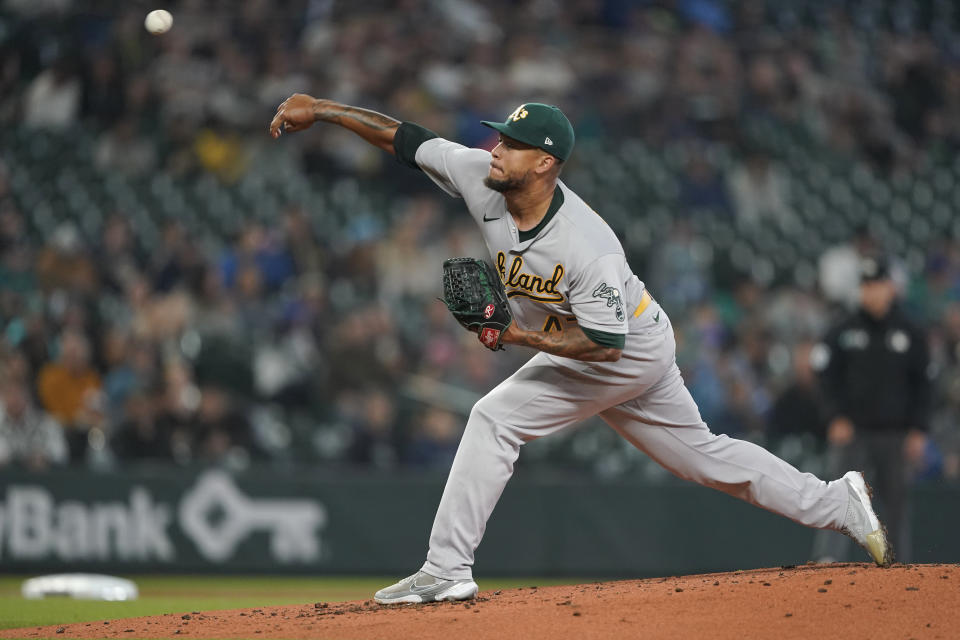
597,299
456,169
407,140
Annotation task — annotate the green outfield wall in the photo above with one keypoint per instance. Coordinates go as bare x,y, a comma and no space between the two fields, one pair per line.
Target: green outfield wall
359,523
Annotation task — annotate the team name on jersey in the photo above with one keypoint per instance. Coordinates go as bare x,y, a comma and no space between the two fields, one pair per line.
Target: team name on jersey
528,285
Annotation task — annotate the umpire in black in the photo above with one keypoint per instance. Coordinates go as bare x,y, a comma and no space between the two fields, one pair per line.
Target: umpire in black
873,368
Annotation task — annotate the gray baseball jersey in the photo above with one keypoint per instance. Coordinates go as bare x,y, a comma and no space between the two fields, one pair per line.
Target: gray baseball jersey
571,268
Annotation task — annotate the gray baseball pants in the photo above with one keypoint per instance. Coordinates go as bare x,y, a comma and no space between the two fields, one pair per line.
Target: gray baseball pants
643,398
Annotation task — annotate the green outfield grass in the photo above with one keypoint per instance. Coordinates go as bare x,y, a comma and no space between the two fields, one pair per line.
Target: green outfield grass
183,594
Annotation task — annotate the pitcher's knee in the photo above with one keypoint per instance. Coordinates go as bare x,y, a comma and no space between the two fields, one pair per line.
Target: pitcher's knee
487,420
484,410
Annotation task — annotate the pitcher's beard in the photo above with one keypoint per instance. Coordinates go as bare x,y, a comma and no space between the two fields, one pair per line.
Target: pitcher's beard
502,186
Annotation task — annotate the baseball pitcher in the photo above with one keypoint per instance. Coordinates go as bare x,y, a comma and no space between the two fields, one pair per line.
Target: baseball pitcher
606,347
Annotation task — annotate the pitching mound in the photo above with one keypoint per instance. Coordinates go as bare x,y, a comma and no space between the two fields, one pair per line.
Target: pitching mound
814,601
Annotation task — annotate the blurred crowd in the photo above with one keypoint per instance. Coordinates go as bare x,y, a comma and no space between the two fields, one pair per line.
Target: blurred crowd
286,343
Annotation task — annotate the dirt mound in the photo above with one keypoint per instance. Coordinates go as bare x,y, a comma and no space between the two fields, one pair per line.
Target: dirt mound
815,601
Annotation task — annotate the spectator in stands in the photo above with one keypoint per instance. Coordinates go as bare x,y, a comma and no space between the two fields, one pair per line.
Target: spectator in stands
69,389
65,263
221,152
435,439
52,101
839,268
122,150
365,349
406,260
179,262
139,437
763,91
12,223
103,95
932,296
680,267
10,69
118,257
29,437
707,77
799,409
702,188
262,250
306,249
222,432
372,430
119,381
16,269
177,408
945,423
743,401
915,84
760,191
537,69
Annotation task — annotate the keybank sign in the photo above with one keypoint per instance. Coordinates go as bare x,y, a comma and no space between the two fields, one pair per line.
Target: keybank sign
33,525
213,514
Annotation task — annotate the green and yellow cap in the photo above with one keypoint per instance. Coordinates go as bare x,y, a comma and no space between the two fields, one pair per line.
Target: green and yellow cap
540,125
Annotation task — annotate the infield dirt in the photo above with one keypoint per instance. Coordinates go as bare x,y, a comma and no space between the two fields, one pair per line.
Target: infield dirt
847,601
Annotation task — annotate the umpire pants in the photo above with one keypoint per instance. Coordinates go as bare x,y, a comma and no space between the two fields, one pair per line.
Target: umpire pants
643,398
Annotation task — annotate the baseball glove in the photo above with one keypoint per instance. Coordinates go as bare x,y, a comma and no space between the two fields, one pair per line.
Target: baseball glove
475,296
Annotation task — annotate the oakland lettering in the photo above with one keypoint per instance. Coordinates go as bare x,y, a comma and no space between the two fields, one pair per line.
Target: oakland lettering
529,285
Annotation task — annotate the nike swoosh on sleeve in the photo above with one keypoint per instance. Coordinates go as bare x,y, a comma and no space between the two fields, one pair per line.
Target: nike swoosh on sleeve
486,219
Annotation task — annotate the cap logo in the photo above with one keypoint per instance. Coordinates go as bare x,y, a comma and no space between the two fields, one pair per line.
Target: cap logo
518,114
548,141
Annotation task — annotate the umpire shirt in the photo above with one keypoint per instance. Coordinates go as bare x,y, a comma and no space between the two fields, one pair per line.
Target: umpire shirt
874,372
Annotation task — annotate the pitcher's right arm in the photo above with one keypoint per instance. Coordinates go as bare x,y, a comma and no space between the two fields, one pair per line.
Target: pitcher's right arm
300,111
453,167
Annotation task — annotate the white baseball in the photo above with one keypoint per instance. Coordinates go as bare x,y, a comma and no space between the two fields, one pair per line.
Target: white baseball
158,21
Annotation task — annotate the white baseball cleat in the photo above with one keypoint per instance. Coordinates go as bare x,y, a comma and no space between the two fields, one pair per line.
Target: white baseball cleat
423,587
862,524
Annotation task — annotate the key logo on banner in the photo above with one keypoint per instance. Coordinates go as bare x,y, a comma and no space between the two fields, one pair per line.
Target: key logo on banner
291,523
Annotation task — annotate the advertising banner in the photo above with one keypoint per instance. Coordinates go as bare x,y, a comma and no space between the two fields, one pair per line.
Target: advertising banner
358,523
